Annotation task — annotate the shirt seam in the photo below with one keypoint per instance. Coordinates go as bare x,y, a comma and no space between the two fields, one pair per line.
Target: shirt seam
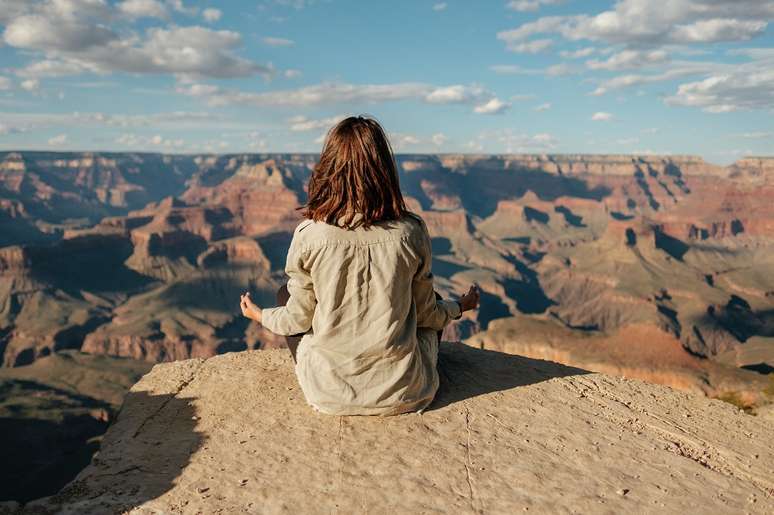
302,246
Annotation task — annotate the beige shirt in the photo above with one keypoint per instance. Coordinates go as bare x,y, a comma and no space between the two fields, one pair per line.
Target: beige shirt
365,300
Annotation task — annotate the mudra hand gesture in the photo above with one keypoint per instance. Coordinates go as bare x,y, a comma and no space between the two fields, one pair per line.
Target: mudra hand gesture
249,309
470,300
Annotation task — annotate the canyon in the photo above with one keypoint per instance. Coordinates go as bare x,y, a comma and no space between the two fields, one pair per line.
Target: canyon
658,268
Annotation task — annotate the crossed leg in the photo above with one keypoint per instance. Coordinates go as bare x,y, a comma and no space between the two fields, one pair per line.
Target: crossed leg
293,340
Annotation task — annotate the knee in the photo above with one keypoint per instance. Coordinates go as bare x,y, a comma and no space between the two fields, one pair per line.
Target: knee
283,295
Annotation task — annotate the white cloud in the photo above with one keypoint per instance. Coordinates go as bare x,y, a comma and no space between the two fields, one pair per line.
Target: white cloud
438,139
560,69
271,41
143,9
58,140
400,141
303,124
53,68
174,120
733,91
440,6
530,47
551,71
131,140
74,37
628,59
513,69
543,107
505,140
5,83
291,74
494,106
577,54
180,7
678,70
38,32
648,22
755,135
601,116
627,141
211,14
529,5
30,84
456,94
342,93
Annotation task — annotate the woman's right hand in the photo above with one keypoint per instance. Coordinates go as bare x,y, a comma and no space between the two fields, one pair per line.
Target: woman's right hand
470,299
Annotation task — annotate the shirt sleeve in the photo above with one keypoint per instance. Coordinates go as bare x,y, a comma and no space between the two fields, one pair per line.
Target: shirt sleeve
431,312
296,315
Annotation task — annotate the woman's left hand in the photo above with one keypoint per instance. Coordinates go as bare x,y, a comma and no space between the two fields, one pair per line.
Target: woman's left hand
249,309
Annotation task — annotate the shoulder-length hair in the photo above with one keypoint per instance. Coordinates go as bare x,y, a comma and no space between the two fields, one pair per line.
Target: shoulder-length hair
356,181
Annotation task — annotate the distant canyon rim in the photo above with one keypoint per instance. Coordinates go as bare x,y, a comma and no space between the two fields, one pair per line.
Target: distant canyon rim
655,267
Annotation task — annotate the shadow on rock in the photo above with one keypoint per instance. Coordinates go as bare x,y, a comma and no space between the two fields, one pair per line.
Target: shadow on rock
467,372
162,429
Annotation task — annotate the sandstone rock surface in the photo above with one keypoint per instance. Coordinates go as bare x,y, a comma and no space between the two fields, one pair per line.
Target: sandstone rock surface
233,434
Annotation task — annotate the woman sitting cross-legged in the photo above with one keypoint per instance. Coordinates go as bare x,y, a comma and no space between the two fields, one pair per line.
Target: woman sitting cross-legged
362,319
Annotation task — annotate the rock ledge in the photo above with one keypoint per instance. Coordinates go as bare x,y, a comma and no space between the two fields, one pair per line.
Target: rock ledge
233,434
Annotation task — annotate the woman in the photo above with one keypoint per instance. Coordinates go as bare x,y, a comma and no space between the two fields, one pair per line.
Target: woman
362,319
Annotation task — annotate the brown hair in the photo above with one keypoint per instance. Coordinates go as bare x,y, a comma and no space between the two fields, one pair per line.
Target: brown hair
356,174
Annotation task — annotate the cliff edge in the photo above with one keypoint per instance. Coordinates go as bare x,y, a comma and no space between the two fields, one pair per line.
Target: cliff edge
233,434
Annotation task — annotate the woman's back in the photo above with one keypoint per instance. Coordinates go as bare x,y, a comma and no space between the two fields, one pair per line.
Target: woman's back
367,295
359,286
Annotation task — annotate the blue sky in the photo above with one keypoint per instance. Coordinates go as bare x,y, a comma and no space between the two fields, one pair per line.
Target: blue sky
545,76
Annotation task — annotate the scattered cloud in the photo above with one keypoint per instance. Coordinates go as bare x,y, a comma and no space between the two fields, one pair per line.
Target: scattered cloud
292,74
551,71
440,6
494,106
9,129
30,85
438,139
143,9
211,15
5,83
330,93
577,54
543,107
58,141
529,5
77,36
134,141
679,70
755,135
399,141
734,91
303,124
644,22
628,59
272,41
508,141
601,116
175,120
531,47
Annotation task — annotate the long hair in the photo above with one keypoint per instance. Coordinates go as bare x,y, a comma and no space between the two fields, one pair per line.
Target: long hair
356,175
